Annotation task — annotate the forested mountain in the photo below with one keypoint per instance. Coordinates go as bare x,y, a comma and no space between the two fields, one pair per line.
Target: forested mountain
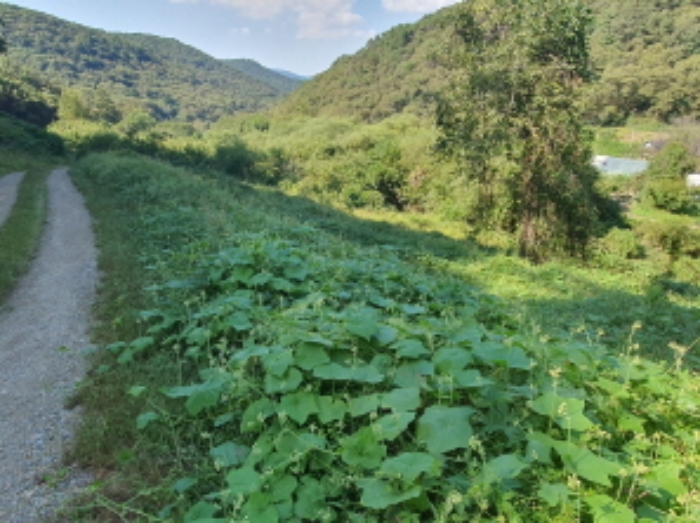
646,55
162,75
283,83
401,70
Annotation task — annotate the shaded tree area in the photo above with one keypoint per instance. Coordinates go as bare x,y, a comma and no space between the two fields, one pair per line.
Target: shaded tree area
512,123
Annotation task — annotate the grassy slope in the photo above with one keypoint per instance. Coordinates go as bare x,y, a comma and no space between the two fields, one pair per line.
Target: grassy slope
157,224
20,234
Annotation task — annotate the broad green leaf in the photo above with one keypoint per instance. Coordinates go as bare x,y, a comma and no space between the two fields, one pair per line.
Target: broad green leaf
308,356
539,447
393,425
566,412
288,382
240,322
414,374
229,455
260,279
584,463
402,400
386,335
451,360
442,429
666,476
283,488
278,362
630,422
412,310
363,450
494,353
411,349
330,409
282,285
470,379
409,465
502,468
253,351
612,388
299,406
137,391
255,415
364,405
291,443
203,512
379,494
259,509
607,510
199,397
184,484
145,419
311,499
244,481
554,494
363,325
337,372
296,273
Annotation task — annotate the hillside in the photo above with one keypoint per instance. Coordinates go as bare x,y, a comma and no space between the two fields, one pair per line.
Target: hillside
171,79
282,83
646,55
401,70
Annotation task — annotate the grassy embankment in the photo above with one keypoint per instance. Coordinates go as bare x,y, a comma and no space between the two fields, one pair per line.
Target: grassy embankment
20,234
267,356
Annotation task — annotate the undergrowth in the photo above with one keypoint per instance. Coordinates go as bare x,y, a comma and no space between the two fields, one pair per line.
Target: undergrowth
278,371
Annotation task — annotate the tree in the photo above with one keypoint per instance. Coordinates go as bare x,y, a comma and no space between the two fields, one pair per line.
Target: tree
512,120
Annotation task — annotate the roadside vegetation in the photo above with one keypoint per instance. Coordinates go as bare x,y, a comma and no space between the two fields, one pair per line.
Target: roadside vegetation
290,362
309,315
28,149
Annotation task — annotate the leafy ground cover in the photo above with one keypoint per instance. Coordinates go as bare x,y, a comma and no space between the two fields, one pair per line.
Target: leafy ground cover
20,233
270,360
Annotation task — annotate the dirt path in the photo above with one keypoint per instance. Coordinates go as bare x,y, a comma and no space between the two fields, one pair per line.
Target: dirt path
8,193
49,310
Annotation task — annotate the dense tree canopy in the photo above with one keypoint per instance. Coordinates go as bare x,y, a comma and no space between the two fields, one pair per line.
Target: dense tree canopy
645,58
511,120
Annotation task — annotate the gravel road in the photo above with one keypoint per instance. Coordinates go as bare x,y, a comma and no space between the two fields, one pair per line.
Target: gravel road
8,193
43,335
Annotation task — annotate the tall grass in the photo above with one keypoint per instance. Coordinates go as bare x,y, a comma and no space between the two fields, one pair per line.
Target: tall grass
21,232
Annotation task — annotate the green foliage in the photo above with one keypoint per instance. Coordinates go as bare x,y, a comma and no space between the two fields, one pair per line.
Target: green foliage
512,124
18,136
320,380
26,95
665,186
169,79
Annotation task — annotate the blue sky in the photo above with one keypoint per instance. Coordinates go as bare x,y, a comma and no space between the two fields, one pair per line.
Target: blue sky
303,36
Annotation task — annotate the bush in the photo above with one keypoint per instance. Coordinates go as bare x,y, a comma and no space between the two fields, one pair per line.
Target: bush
22,136
674,239
670,195
619,245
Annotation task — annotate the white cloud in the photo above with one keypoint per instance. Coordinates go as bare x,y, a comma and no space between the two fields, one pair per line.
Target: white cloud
416,6
322,19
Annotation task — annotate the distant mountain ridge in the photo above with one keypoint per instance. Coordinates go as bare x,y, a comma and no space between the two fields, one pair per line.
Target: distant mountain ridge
170,79
284,83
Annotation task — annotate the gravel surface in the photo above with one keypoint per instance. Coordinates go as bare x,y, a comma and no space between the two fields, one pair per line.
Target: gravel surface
8,193
43,335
